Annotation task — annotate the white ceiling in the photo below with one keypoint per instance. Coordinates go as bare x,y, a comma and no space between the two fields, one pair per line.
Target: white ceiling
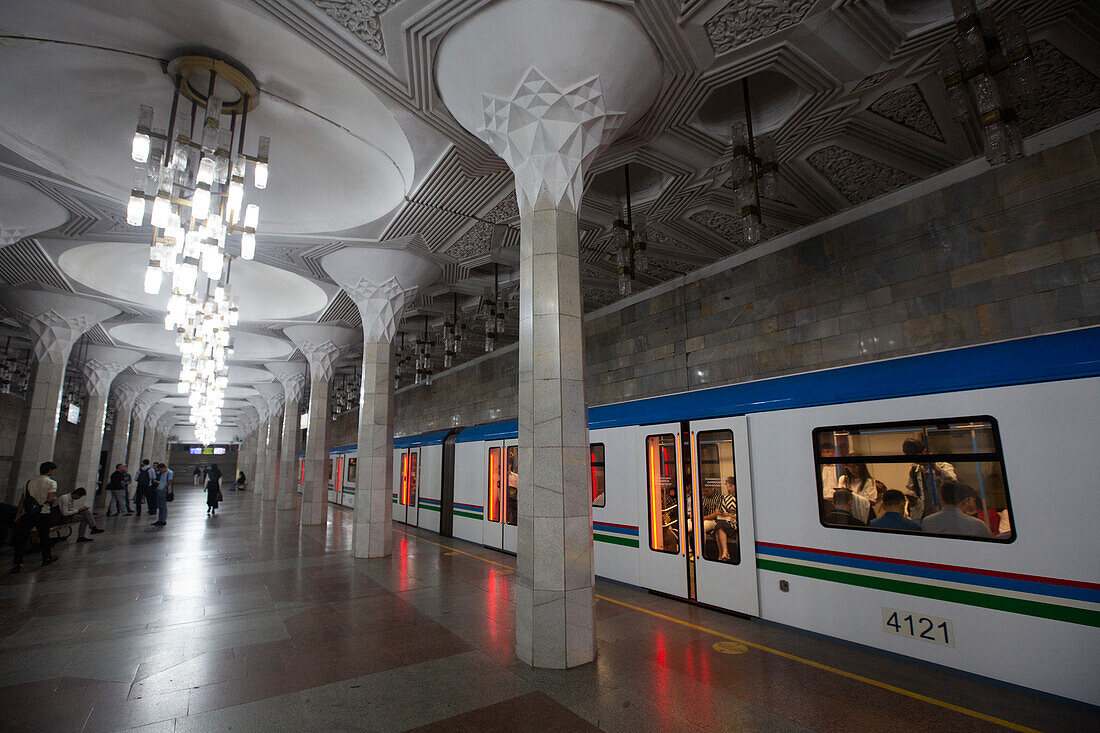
350,97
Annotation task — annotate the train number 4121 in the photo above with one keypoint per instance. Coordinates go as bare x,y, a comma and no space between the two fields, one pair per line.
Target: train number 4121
917,626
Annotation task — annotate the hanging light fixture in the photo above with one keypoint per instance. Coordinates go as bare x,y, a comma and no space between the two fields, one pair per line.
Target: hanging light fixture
198,201
753,170
452,337
401,363
629,242
15,369
989,75
494,313
424,357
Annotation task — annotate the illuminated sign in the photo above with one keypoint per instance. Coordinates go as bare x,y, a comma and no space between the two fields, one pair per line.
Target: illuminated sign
196,451
303,422
219,451
74,413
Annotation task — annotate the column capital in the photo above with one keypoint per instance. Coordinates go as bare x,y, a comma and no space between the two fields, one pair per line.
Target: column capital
260,406
56,320
144,403
548,135
292,375
103,364
126,389
322,346
272,395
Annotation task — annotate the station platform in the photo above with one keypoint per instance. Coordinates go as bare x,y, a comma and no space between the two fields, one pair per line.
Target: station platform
247,622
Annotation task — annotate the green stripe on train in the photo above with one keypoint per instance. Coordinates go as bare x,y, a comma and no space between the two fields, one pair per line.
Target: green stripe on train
615,540
471,515
1083,616
429,507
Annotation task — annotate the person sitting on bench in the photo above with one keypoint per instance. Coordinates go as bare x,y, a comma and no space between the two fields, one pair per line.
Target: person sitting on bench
74,508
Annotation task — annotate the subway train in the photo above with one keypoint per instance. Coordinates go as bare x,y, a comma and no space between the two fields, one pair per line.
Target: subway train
755,498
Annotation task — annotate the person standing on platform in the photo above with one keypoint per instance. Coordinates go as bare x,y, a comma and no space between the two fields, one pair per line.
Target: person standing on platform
126,481
213,489
39,495
164,487
144,493
117,488
198,476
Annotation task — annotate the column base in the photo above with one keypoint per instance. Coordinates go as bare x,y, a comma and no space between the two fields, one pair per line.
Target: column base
555,629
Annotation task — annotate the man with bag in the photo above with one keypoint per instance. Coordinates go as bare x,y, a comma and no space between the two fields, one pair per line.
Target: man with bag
145,493
39,495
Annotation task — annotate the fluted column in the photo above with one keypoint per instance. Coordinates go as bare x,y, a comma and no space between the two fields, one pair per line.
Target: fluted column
273,396
548,117
150,441
322,346
292,375
258,477
102,365
365,274
126,388
142,405
55,322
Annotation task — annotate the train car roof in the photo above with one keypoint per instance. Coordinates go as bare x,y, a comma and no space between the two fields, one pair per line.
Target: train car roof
435,437
1066,355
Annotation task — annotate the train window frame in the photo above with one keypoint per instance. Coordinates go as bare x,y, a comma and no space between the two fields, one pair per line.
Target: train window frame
697,470
592,464
679,498
996,456
495,502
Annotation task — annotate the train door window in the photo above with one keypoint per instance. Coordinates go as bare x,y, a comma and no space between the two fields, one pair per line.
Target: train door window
934,477
717,496
664,495
511,502
407,497
599,497
494,514
349,476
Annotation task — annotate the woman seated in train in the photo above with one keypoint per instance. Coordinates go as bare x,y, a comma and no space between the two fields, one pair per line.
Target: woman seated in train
726,519
709,513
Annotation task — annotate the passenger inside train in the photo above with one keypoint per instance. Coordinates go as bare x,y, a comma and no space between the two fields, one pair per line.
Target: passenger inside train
865,482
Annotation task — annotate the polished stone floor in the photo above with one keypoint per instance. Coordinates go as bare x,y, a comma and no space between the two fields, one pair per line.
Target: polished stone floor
246,622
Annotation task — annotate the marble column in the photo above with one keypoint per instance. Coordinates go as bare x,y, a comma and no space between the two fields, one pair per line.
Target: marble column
548,118
322,346
142,405
381,282
292,376
258,477
126,388
102,364
273,396
55,321
150,442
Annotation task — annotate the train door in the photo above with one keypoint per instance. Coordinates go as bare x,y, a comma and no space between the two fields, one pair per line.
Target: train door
408,485
663,543
501,506
335,474
723,542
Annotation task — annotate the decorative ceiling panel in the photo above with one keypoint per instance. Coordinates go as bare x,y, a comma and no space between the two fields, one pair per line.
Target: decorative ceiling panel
744,21
25,262
1068,90
361,17
857,177
907,107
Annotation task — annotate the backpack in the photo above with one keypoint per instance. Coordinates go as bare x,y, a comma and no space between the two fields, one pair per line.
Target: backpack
144,479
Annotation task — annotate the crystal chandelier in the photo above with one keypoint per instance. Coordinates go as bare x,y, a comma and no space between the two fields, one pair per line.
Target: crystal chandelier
494,314
629,242
989,75
424,357
752,169
197,203
401,364
345,394
454,332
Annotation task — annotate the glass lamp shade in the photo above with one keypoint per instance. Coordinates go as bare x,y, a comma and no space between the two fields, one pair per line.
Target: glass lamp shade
162,210
251,216
153,277
200,203
139,149
260,175
248,245
135,211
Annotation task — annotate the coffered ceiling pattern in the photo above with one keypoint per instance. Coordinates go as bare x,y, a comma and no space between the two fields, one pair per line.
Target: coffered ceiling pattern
848,90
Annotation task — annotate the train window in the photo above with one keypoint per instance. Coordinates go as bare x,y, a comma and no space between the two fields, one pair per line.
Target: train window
511,505
664,496
494,485
934,477
717,496
409,476
599,496
349,477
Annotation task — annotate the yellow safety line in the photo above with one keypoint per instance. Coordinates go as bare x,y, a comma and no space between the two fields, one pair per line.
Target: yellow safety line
777,652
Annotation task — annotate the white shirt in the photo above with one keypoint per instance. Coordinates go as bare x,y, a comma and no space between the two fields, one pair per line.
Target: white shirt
40,487
70,506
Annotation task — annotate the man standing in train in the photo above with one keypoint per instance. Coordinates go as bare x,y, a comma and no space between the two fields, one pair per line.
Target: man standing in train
925,477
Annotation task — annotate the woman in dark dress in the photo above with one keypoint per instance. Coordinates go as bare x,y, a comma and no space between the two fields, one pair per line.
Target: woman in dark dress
213,489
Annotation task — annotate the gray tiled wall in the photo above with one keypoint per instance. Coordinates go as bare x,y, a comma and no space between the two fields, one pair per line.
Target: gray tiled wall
1009,253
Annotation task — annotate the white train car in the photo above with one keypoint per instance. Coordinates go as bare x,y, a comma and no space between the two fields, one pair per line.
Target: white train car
342,473
747,498
418,479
